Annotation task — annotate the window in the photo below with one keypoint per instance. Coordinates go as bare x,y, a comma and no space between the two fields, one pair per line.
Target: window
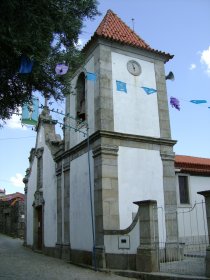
39,168
183,190
81,101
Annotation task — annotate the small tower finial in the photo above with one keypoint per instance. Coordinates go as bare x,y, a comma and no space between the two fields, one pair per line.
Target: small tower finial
45,101
133,22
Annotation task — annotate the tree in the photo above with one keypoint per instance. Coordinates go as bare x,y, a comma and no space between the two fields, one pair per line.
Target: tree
46,33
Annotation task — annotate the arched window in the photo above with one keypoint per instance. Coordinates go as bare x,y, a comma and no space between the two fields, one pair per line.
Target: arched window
80,98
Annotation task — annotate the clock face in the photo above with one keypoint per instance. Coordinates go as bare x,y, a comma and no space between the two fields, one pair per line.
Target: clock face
134,67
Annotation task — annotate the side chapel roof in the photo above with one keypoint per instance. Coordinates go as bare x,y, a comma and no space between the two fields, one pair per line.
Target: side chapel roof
14,196
192,165
114,29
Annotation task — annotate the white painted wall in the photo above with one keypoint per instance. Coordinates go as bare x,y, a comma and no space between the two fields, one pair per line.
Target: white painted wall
192,218
75,136
135,112
32,185
112,242
49,195
198,184
30,200
80,209
140,174
140,178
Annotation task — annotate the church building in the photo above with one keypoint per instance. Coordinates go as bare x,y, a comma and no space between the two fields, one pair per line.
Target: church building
117,150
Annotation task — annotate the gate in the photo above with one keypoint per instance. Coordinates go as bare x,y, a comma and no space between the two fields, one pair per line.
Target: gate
187,255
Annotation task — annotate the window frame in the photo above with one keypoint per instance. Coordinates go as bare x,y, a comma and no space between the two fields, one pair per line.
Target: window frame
40,166
81,95
183,204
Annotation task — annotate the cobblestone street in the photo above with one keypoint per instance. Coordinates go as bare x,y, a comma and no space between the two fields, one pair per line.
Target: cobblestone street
20,263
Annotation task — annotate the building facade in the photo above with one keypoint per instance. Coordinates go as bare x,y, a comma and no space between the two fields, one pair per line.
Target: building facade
12,219
192,176
40,186
117,150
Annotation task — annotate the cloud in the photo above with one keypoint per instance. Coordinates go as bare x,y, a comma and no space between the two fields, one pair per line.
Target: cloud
192,66
17,181
15,122
80,43
205,59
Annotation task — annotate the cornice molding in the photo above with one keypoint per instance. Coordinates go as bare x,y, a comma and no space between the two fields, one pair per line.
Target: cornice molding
99,136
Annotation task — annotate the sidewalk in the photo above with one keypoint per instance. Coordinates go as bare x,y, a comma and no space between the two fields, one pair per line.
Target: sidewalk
20,263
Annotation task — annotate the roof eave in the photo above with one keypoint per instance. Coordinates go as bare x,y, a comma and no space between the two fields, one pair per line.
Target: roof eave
166,56
194,172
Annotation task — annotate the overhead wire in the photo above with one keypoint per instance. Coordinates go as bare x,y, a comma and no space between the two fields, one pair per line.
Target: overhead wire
15,138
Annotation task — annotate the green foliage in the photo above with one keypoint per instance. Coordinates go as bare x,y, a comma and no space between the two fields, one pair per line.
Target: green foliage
46,31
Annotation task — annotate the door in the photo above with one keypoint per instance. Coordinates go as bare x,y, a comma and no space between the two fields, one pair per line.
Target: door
39,231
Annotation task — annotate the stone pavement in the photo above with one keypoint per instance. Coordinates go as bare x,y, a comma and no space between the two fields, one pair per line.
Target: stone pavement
20,263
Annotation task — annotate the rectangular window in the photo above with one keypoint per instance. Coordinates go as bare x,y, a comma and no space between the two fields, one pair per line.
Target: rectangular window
183,190
39,172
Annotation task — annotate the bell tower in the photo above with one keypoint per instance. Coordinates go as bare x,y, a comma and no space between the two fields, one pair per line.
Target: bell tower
119,96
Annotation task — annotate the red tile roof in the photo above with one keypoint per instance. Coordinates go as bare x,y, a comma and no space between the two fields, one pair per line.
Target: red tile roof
114,29
192,165
10,197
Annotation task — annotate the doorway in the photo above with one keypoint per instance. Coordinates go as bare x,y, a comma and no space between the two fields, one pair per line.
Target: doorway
39,228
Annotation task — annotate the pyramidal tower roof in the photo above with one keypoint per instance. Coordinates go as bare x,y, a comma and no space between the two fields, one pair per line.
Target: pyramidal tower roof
114,29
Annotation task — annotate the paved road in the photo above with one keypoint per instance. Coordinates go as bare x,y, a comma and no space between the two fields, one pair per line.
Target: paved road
20,263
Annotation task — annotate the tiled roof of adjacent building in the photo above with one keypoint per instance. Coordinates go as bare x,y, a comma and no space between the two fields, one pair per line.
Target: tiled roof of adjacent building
192,165
114,29
10,197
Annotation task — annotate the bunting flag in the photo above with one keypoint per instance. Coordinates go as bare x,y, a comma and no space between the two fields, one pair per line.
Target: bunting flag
121,86
91,76
149,90
61,69
198,101
30,112
175,103
25,65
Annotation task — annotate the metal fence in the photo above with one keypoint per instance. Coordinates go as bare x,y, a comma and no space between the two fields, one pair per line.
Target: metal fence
187,255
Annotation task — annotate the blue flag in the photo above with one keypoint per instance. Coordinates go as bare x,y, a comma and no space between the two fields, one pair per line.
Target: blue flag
25,65
91,76
121,86
198,101
30,112
149,90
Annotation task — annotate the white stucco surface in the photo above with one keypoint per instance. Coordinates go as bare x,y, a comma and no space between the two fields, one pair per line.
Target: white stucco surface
135,112
75,136
198,184
30,199
112,242
49,195
80,207
140,178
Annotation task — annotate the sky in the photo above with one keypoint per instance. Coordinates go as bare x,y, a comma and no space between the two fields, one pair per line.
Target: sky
178,27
